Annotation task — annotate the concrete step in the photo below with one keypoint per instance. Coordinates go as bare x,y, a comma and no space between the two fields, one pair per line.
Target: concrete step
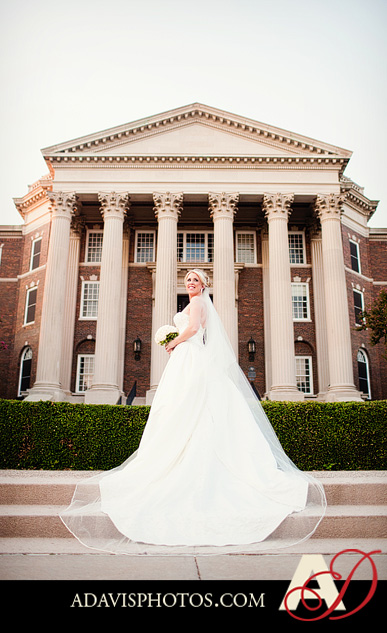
33,521
33,500
57,487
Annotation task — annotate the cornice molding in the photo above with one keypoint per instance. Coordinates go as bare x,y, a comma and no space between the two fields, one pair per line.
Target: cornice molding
355,198
37,193
269,135
195,161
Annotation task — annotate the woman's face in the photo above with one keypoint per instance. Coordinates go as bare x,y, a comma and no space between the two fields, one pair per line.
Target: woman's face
193,284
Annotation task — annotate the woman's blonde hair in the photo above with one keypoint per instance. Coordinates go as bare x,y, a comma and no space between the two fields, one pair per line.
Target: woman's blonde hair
204,278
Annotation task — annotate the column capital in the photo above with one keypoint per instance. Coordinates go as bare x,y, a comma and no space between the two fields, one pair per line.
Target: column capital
113,204
167,205
329,206
77,225
277,205
223,205
63,204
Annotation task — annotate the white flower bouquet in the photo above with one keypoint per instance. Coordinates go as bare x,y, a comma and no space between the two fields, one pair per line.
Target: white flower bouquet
165,334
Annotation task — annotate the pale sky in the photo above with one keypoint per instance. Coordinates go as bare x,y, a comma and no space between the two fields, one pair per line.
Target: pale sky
313,67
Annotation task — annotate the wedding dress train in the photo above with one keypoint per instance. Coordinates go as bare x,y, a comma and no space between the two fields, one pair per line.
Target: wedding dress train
209,474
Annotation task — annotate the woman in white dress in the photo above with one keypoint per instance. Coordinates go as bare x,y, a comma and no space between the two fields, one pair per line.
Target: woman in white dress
209,474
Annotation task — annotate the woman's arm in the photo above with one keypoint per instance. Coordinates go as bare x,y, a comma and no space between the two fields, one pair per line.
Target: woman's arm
195,318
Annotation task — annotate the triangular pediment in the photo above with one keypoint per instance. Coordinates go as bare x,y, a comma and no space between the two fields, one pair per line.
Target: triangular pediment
194,130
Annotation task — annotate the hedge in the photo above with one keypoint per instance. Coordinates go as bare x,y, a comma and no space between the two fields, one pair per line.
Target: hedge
61,436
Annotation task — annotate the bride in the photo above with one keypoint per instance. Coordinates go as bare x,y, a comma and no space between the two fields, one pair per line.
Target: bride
209,473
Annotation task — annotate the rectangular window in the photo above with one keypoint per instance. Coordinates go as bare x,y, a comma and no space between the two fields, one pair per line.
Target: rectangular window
296,248
145,247
89,300
355,256
85,372
300,301
304,376
35,253
195,247
245,248
29,315
94,247
358,302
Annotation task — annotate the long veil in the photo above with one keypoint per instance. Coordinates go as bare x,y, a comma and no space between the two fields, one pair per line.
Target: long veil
93,527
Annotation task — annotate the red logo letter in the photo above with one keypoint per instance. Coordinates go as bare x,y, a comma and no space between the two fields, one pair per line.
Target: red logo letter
336,576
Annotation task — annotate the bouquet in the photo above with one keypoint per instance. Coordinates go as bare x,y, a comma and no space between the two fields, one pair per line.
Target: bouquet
165,334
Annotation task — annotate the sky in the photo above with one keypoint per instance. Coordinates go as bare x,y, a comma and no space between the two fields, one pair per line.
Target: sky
312,67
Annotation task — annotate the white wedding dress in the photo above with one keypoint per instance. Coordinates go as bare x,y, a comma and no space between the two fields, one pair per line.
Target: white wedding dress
209,474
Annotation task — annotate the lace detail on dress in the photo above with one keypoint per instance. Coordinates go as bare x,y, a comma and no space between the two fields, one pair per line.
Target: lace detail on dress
181,320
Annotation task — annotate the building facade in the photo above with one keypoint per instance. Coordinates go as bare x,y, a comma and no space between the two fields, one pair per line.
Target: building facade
98,263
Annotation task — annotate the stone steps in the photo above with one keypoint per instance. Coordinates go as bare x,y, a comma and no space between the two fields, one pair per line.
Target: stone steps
31,502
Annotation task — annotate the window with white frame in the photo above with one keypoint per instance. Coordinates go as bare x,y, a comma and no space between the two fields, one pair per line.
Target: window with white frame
245,247
363,371
195,247
145,247
304,375
35,253
358,303
85,372
355,256
25,370
94,247
296,247
30,307
300,301
89,300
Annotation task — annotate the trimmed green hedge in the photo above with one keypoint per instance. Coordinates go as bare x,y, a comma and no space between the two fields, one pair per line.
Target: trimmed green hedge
60,436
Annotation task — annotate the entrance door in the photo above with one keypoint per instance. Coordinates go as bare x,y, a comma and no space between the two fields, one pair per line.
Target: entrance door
182,302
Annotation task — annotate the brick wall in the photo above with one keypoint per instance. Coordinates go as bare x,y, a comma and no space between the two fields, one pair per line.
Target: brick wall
28,335
371,260
11,255
251,323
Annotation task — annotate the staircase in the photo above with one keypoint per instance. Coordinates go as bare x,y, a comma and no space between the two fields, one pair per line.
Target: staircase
31,502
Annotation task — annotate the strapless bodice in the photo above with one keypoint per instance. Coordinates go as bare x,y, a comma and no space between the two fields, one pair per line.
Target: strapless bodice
181,320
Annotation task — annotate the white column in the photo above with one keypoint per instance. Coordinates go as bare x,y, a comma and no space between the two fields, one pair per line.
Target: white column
223,207
284,386
104,389
70,302
341,382
320,313
47,385
167,209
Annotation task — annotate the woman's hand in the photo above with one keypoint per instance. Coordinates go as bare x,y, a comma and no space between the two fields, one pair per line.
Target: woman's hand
170,346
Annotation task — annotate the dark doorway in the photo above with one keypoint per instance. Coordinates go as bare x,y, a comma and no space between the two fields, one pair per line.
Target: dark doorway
182,302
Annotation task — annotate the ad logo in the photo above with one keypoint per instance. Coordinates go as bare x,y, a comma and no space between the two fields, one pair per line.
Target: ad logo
313,569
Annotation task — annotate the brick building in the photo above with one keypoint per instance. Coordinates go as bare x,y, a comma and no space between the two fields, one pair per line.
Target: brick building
107,236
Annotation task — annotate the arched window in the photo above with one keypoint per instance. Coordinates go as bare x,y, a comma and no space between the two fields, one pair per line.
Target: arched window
25,371
364,374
